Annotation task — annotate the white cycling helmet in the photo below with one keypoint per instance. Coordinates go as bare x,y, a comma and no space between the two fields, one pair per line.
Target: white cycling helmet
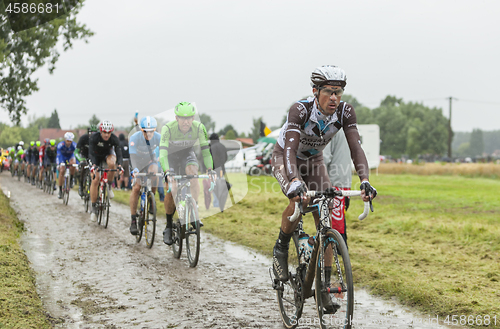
19,148
106,126
328,74
69,136
21,143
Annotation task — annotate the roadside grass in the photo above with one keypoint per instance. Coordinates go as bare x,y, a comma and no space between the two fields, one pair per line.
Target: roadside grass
486,170
20,305
433,241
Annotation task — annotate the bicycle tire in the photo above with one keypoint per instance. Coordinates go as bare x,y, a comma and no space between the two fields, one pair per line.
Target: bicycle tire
341,277
66,190
53,182
100,204
107,204
192,232
150,219
177,239
290,299
140,224
86,191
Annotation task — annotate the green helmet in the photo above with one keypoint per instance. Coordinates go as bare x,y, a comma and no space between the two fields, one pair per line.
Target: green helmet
93,128
38,143
32,143
52,142
185,109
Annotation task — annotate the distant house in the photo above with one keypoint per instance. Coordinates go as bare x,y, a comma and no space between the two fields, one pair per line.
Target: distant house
58,134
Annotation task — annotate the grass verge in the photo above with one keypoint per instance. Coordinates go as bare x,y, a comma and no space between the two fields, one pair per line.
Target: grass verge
20,305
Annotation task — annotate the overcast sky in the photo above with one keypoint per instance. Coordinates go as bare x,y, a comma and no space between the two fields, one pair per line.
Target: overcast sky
242,59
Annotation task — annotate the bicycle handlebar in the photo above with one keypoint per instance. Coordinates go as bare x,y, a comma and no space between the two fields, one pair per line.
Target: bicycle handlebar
178,177
297,211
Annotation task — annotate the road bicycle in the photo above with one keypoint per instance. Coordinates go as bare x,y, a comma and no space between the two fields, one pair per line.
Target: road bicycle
66,187
147,213
188,223
329,267
103,203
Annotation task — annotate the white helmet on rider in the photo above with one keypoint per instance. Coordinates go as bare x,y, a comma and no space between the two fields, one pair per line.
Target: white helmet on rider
69,136
328,74
106,126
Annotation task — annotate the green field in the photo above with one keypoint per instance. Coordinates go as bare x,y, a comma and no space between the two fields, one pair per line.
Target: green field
433,241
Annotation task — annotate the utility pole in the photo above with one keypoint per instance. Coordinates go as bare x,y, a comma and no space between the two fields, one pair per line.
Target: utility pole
450,133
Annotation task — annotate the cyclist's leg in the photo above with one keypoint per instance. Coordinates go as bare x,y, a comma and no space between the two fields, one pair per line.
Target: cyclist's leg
111,162
134,197
192,167
126,173
168,202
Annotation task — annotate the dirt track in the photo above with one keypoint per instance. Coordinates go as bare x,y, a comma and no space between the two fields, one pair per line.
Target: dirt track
91,277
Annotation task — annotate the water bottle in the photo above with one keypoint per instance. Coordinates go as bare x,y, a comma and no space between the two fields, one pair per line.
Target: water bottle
303,241
143,201
180,209
306,244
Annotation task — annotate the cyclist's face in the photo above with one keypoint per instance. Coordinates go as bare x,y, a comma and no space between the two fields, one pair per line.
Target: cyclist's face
328,98
184,123
148,134
68,143
105,135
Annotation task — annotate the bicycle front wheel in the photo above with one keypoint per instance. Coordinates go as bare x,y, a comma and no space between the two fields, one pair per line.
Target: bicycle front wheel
150,219
100,205
192,233
86,191
334,285
106,207
177,239
66,191
290,295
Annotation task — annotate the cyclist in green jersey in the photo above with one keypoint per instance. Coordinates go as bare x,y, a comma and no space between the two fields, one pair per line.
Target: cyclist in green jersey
176,151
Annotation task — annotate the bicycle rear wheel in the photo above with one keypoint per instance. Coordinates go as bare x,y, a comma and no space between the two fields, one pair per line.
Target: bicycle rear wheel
192,232
150,219
334,289
290,296
177,239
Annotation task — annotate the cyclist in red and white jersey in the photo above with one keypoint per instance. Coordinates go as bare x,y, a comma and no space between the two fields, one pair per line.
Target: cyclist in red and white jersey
298,159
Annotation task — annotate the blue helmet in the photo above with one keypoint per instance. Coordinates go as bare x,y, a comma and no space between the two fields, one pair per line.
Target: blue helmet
148,124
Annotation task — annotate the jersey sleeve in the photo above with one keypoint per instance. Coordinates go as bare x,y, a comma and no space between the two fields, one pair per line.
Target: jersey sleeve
351,132
205,148
295,120
165,137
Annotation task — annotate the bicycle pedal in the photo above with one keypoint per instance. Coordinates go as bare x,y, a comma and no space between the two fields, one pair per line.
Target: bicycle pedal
276,284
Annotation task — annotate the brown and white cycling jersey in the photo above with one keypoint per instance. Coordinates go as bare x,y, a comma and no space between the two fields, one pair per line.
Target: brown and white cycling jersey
307,132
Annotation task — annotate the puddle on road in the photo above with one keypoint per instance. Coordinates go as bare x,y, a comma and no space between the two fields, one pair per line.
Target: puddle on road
91,277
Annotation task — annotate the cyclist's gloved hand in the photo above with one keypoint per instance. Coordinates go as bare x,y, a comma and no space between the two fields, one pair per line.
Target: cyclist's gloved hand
93,168
369,190
120,168
331,191
296,188
135,171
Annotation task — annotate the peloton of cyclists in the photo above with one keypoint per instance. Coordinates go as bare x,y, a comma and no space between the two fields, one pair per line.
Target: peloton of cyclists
82,154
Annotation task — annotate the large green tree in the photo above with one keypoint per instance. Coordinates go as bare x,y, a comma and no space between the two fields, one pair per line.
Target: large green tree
54,120
24,52
224,130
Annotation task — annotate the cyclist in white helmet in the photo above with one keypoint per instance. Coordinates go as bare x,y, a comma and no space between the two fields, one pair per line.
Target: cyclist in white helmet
104,148
298,159
66,152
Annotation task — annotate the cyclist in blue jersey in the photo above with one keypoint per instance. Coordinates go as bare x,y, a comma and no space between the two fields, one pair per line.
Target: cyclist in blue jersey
66,152
142,146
